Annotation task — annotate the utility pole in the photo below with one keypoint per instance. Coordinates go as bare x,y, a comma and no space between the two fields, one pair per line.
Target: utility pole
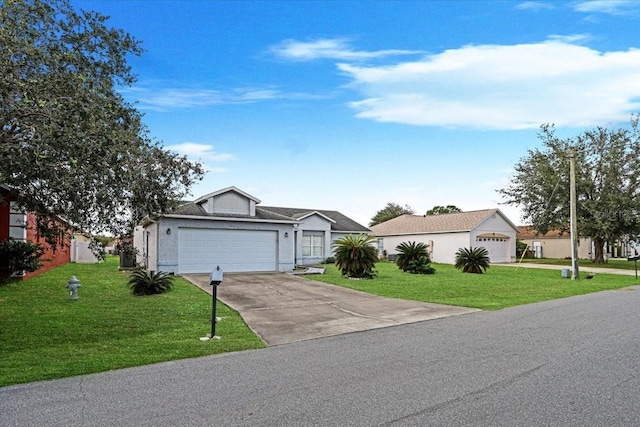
573,214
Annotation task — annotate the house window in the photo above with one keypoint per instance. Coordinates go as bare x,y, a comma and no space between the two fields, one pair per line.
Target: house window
313,245
17,223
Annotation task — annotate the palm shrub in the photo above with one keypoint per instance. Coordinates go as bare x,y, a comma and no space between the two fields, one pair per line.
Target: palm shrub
472,260
421,265
414,258
144,282
356,256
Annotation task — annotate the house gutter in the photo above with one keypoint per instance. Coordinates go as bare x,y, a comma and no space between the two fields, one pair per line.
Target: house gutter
232,219
422,232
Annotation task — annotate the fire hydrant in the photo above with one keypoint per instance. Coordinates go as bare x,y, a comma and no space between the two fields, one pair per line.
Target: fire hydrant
73,286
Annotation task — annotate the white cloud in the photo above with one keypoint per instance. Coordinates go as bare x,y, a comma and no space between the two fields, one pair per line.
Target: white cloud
203,153
329,49
610,7
535,6
502,87
571,38
257,94
168,98
165,99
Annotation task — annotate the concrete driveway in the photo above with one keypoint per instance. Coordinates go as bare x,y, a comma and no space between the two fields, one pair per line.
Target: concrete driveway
283,308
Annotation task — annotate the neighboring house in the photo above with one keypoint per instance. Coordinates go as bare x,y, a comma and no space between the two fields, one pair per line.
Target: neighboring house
22,226
80,251
227,228
446,233
553,244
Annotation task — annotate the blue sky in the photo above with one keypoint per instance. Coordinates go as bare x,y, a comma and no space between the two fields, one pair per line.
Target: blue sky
350,105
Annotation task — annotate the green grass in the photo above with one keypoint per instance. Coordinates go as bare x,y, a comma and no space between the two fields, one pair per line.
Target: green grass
621,264
45,335
498,288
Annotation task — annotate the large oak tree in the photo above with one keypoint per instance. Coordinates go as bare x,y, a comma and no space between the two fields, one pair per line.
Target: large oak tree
441,210
390,211
607,184
70,145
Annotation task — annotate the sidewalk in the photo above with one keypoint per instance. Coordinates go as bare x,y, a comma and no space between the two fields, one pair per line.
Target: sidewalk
580,268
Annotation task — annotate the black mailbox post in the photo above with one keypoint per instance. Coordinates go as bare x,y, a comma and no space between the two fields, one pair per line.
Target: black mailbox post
214,280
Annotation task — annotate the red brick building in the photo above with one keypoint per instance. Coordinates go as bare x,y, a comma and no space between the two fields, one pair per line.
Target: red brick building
22,226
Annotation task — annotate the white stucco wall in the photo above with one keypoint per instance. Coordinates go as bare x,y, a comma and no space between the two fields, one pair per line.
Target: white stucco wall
443,246
446,245
496,224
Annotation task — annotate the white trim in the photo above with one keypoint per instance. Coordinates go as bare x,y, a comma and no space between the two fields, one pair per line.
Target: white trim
313,236
420,233
307,215
231,219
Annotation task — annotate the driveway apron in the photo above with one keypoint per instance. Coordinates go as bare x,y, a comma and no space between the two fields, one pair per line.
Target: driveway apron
283,308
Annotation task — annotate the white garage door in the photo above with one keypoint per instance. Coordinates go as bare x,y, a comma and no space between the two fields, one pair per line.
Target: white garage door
498,248
201,250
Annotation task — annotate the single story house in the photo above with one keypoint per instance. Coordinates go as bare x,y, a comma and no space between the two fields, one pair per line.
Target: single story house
20,225
446,233
553,244
227,228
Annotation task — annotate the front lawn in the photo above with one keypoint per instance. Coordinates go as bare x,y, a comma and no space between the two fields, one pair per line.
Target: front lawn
498,288
45,335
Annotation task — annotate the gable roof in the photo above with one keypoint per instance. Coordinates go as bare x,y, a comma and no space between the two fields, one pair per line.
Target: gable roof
445,223
196,209
339,222
226,190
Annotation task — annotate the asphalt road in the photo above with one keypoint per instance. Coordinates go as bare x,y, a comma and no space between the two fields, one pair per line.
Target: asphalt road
573,361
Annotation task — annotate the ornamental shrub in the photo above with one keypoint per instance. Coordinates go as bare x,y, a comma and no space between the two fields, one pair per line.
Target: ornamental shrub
17,256
420,266
472,260
414,258
356,256
143,282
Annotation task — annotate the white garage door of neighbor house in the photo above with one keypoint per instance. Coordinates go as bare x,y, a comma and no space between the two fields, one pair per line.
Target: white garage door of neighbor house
201,250
498,248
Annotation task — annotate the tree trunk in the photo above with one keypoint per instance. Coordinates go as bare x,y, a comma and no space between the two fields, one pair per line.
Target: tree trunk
598,250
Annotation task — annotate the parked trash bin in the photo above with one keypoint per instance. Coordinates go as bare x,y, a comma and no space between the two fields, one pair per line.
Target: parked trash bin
566,273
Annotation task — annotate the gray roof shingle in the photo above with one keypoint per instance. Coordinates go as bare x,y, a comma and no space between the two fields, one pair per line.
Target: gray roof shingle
342,223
